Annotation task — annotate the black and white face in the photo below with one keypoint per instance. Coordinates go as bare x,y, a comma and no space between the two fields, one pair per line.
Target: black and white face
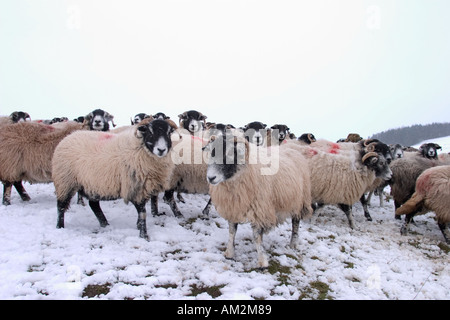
156,137
227,158
99,120
20,116
379,162
193,121
139,117
281,131
255,132
429,150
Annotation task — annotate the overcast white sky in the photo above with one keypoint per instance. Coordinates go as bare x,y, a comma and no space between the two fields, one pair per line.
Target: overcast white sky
326,67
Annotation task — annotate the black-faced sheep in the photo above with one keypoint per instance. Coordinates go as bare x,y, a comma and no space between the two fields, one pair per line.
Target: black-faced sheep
307,138
193,121
255,132
98,120
160,116
429,150
131,165
139,117
241,193
26,151
341,177
15,117
432,193
279,132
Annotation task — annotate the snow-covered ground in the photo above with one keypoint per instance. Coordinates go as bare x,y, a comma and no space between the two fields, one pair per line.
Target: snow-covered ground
184,257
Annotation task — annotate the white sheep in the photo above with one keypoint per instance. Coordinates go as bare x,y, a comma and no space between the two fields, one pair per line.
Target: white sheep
432,193
26,151
242,190
131,165
341,178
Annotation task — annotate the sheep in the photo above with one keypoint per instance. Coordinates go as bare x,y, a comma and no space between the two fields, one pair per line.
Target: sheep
405,171
193,121
241,193
15,117
131,165
278,132
342,177
190,169
396,151
26,151
307,138
429,150
139,117
432,193
255,132
98,120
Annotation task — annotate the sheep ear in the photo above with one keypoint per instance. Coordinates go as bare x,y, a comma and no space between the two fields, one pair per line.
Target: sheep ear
203,117
182,116
141,130
264,125
438,147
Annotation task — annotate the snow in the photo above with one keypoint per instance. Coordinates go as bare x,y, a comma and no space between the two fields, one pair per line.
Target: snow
184,257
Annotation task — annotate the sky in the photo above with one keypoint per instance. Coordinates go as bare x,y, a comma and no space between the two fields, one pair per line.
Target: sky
325,67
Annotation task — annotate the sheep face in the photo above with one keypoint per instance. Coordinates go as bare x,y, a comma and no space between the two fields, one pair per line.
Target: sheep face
227,158
156,137
193,121
255,132
281,131
139,117
396,151
20,116
429,150
377,156
99,120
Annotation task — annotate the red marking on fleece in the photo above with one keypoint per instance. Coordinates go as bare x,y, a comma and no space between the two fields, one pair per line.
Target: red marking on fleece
105,136
334,148
424,183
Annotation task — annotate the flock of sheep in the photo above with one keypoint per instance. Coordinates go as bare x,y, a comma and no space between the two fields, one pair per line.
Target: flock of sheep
253,174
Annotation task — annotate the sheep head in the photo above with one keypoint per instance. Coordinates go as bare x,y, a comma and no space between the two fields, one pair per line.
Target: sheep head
193,121
156,137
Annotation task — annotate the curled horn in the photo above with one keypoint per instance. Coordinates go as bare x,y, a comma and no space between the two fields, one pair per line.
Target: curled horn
368,141
368,155
370,147
311,137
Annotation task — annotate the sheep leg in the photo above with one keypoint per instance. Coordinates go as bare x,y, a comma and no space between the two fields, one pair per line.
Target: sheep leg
80,199
232,229
405,226
95,206
168,196
445,229
396,206
207,208
7,186
294,235
154,206
364,202
142,219
348,212
258,232
62,206
21,190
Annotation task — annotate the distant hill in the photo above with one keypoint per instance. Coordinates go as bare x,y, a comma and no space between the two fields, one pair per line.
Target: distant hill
408,136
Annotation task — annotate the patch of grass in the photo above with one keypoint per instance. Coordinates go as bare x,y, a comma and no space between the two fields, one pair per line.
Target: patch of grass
444,247
317,290
93,290
213,291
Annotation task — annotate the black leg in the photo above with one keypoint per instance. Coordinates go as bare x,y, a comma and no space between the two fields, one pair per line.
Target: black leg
142,219
348,212
363,201
62,206
294,235
207,209
95,206
7,186
169,197
405,226
154,206
21,190
444,227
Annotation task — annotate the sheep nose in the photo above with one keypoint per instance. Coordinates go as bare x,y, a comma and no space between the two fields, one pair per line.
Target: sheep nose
161,151
211,179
